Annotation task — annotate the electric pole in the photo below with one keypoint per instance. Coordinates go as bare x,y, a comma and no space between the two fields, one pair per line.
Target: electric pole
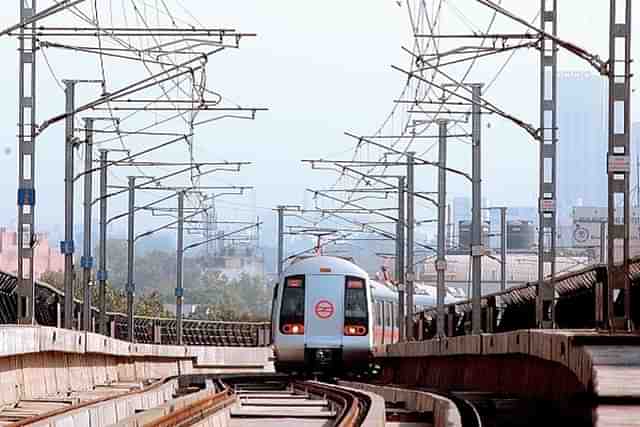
86,262
477,246
26,237
179,277
67,246
400,261
548,139
280,266
619,162
441,262
410,223
503,249
131,287
102,274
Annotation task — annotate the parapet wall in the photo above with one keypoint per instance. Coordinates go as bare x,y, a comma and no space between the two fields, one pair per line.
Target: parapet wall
40,361
551,363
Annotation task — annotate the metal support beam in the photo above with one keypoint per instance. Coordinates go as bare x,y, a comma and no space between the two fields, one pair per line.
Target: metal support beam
545,301
441,262
477,247
67,246
26,163
503,249
280,240
87,259
400,260
603,243
410,223
619,163
131,287
102,268
179,277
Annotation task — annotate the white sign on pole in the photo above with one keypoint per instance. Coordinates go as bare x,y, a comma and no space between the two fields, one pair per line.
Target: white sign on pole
587,220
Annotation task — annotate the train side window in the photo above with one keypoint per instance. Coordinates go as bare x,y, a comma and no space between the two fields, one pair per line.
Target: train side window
383,319
388,315
393,314
379,313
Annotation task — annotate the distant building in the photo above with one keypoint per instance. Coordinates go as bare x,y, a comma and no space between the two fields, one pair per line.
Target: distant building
233,261
521,268
461,207
464,236
582,142
521,236
46,258
187,309
516,213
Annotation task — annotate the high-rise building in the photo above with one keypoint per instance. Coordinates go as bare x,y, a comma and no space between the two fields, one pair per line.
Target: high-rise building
461,209
582,142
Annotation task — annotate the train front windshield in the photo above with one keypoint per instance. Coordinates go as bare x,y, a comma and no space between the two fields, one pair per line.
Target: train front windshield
292,310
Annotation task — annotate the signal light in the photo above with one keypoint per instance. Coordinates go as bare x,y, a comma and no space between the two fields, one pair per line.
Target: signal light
293,329
355,284
355,330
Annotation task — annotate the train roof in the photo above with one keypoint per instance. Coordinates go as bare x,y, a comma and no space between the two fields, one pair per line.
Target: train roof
313,265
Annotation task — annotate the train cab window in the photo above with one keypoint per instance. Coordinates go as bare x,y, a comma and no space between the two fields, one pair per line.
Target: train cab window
355,307
292,306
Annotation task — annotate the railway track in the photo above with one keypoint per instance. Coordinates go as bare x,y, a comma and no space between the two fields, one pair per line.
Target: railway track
270,400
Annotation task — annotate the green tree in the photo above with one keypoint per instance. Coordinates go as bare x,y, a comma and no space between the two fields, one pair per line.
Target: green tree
243,299
149,303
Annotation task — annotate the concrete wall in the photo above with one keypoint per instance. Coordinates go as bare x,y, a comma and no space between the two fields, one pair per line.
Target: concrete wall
42,361
109,412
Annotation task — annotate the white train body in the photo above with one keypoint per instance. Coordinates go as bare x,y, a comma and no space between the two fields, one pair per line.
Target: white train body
327,314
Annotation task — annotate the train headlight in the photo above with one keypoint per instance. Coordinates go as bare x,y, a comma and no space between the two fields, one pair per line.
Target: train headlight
355,330
293,329
323,355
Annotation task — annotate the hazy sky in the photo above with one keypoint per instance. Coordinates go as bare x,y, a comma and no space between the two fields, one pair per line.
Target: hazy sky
321,68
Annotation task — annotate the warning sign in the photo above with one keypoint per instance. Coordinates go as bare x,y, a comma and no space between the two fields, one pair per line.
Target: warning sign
324,309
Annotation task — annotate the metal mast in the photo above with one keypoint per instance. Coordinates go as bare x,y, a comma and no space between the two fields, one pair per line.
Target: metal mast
477,247
101,274
180,254
26,163
547,180
619,161
67,246
86,261
280,240
400,261
131,287
503,249
441,262
410,223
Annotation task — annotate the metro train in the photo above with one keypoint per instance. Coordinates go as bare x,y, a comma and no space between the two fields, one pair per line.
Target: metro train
327,314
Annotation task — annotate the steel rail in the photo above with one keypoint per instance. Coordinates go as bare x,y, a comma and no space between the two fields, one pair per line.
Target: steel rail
195,411
354,406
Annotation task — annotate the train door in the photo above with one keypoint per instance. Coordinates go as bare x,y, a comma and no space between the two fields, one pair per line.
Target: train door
324,311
